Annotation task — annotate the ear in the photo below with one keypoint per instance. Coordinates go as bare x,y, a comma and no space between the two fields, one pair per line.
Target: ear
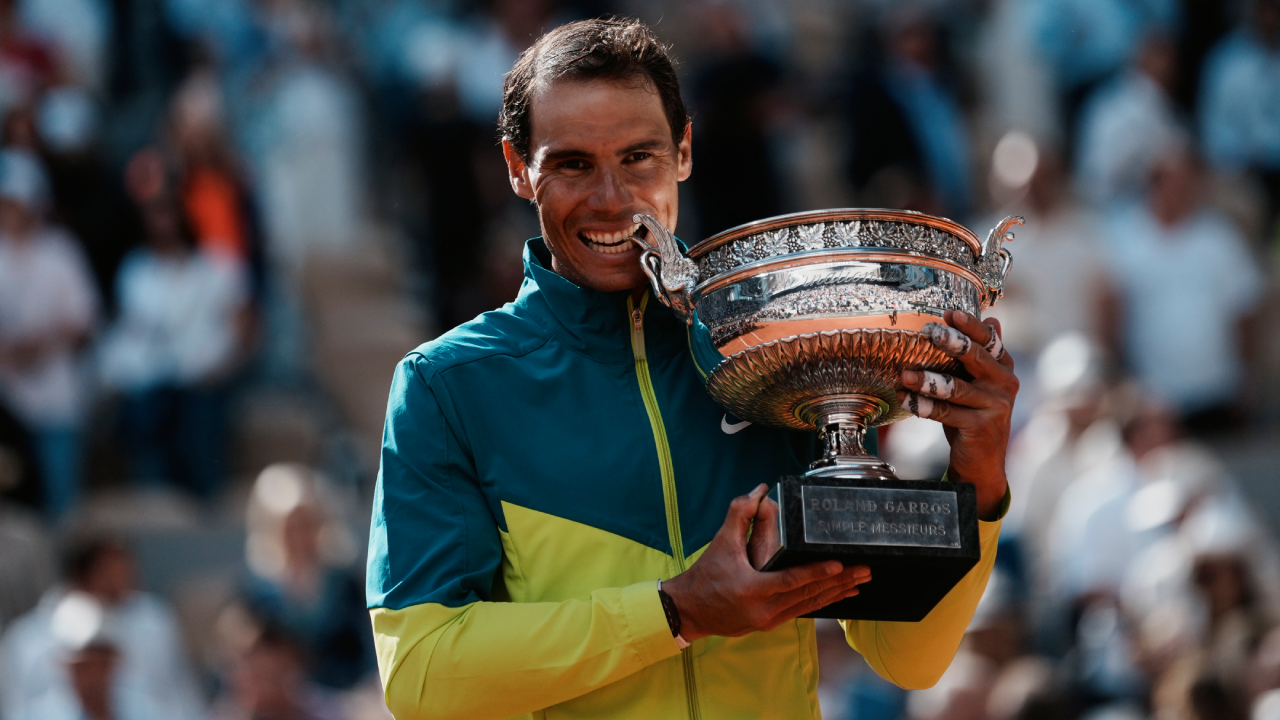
517,172
684,154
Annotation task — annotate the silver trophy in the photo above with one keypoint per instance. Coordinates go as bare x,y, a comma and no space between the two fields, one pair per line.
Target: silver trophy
806,321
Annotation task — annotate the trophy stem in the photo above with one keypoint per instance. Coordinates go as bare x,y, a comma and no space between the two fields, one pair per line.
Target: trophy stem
841,422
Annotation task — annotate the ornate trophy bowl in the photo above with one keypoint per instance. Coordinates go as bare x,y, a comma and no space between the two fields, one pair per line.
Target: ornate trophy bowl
806,321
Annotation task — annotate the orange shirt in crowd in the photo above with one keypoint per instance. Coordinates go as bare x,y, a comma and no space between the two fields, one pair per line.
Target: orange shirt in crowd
212,202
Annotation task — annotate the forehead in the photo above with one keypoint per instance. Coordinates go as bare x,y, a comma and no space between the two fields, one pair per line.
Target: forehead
595,115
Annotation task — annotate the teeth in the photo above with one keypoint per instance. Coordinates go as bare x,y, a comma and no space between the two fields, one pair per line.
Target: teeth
610,243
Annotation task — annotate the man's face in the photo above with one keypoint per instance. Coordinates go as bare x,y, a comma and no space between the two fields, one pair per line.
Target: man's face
599,153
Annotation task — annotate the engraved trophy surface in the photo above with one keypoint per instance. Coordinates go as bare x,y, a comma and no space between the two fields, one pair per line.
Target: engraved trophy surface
806,321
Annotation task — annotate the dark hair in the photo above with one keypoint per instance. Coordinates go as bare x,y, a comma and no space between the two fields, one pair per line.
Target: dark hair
617,49
82,554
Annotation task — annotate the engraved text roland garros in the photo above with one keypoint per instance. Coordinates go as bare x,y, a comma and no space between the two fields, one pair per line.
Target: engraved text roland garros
837,505
880,516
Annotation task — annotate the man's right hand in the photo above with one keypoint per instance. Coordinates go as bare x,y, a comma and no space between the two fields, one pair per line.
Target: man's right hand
724,594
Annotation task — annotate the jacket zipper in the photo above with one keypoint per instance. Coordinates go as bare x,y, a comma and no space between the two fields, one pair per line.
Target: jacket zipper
668,477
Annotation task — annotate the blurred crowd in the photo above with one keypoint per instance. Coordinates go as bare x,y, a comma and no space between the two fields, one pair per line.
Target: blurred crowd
172,173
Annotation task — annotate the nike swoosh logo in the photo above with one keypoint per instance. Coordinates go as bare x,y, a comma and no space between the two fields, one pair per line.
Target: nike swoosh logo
734,428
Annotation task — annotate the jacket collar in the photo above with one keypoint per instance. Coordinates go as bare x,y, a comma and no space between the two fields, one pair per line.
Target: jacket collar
591,322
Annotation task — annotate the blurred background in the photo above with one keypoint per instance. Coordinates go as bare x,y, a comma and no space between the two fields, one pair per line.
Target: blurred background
222,222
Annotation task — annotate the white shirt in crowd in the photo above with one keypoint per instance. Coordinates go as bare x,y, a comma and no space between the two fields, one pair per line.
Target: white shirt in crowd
1240,107
1058,274
177,322
1090,543
153,663
1185,289
126,705
1123,127
45,283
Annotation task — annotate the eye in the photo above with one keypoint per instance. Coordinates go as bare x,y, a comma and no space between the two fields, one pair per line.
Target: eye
574,164
639,156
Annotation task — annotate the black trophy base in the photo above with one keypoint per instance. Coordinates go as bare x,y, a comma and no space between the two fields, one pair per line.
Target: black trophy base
918,537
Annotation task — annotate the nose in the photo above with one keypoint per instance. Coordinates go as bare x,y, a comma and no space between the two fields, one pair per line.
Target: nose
611,193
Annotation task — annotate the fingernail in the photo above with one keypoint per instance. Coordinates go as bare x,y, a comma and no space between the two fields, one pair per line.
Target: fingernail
910,377
760,490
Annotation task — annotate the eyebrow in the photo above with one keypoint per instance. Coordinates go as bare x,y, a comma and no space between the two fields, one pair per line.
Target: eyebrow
553,156
651,144
558,155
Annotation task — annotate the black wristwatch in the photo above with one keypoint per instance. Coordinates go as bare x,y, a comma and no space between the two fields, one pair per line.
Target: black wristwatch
669,608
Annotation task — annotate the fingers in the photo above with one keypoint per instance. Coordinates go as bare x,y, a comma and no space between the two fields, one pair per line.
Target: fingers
947,339
784,581
982,333
939,410
986,333
930,387
932,384
764,534
742,512
976,344
995,325
819,595
847,578
917,404
805,607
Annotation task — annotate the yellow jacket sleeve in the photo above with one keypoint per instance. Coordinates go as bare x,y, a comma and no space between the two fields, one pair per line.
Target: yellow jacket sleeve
914,655
498,659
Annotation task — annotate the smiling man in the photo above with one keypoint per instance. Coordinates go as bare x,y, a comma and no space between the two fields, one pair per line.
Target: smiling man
549,535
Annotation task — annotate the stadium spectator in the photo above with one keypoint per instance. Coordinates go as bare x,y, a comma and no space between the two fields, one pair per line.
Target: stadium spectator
1061,284
100,592
48,308
907,128
1125,124
1189,287
269,682
300,581
179,337
88,654
1240,102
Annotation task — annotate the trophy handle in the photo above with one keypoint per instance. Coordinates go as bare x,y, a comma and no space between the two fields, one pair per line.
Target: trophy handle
999,235
671,274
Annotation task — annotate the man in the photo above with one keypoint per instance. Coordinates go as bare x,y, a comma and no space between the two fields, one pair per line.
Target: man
148,659
88,652
545,465
1124,124
48,306
1189,289
1240,102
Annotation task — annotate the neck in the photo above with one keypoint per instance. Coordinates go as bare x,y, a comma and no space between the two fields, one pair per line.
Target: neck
20,234
1171,217
99,708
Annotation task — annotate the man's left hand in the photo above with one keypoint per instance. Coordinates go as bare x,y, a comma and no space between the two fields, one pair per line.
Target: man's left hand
975,414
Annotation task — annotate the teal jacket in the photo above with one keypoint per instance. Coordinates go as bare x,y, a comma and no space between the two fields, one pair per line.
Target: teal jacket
543,466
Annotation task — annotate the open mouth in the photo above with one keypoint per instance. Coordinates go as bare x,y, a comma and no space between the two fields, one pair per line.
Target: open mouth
612,243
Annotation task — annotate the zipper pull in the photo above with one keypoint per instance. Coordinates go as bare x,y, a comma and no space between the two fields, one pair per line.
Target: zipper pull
637,318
